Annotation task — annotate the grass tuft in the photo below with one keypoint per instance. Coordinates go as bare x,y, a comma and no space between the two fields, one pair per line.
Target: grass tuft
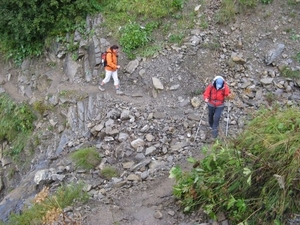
47,209
16,122
109,172
87,158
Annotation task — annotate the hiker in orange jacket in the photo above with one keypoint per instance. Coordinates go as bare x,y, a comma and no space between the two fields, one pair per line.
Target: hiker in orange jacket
111,69
214,95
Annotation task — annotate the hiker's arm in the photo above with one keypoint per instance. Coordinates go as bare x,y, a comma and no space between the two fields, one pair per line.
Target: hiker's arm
227,91
110,61
228,94
206,94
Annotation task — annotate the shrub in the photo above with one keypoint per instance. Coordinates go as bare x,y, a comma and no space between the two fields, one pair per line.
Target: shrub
109,172
41,107
25,24
255,179
266,1
297,57
227,12
48,209
16,122
288,72
133,36
86,158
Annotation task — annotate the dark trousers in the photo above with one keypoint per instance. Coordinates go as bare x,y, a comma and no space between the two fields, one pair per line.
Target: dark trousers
214,115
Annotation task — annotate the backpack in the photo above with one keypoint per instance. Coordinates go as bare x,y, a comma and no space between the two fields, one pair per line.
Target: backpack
103,59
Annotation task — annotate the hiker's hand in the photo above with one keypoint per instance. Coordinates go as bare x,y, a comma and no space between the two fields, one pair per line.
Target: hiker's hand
118,66
230,96
206,100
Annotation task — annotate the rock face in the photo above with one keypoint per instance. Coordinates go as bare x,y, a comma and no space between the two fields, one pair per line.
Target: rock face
149,129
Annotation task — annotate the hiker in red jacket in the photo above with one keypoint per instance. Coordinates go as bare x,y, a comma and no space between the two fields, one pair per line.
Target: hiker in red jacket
214,95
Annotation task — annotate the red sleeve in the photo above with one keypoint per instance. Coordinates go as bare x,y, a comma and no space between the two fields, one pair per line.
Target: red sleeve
227,90
206,93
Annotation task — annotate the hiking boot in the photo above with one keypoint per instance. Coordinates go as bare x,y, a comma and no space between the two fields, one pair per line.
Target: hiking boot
101,88
119,92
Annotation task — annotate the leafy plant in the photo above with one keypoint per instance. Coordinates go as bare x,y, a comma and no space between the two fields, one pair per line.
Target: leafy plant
227,12
254,179
133,36
178,4
266,1
292,2
176,38
149,51
86,158
294,36
197,92
288,72
16,122
39,19
247,3
48,209
297,57
109,172
204,23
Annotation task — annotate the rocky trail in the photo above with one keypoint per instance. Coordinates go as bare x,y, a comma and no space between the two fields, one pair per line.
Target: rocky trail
150,128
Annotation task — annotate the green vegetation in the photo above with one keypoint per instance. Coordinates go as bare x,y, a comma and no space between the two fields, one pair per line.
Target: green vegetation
134,36
86,158
230,8
48,209
270,98
26,24
41,107
297,57
266,1
109,172
288,72
73,94
254,179
294,35
45,22
16,122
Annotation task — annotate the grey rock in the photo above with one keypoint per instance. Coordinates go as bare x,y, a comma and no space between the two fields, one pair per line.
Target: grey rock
267,80
137,143
131,66
157,83
274,53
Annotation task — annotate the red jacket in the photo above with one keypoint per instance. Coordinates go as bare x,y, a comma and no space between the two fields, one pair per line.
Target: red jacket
216,97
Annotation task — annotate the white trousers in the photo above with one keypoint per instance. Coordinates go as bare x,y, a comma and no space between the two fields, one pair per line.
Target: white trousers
109,74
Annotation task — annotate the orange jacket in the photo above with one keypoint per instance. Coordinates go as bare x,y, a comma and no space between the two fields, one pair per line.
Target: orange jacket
216,97
112,60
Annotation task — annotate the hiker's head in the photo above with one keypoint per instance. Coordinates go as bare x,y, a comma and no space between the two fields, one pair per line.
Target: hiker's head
219,82
114,48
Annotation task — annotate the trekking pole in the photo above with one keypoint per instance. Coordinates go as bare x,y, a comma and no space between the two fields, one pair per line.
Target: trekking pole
201,117
228,108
